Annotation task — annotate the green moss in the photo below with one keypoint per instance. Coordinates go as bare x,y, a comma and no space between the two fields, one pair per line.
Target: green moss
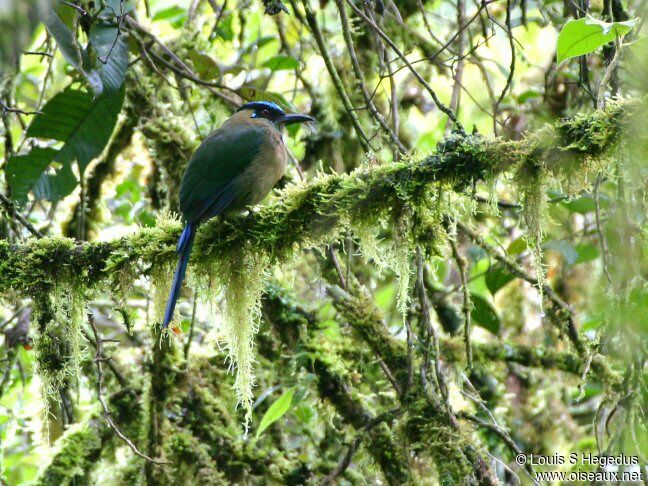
74,456
430,435
593,133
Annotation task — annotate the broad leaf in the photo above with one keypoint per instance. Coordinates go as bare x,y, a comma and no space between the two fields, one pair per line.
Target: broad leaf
54,185
484,315
84,124
585,204
57,25
281,63
23,171
583,36
250,93
277,410
112,58
497,277
205,66
586,252
175,15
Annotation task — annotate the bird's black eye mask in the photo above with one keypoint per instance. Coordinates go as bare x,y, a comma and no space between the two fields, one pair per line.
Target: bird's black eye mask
272,112
264,109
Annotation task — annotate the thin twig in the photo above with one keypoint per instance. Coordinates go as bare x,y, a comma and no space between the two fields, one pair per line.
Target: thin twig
353,447
431,342
509,79
8,109
599,227
600,98
13,212
331,252
187,345
99,359
518,271
357,71
467,305
335,77
449,113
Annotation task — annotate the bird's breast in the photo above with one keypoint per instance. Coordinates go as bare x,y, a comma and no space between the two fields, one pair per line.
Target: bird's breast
265,170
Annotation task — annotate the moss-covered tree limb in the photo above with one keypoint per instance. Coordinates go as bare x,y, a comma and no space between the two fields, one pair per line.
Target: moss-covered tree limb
293,325
456,460
76,454
315,212
533,357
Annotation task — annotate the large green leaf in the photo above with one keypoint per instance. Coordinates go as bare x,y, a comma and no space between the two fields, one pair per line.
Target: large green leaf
497,277
112,58
24,170
484,315
205,66
281,63
583,36
82,122
58,24
277,410
56,184
104,61
250,93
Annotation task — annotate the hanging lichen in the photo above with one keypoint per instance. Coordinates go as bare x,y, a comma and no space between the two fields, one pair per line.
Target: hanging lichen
239,278
393,253
532,188
58,342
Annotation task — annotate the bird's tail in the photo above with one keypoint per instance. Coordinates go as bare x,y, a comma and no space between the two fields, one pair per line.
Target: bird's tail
184,250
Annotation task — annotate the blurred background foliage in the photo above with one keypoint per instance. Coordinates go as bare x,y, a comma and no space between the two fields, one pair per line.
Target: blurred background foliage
103,103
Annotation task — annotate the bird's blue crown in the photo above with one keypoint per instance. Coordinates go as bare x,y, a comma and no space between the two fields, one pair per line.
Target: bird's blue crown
258,107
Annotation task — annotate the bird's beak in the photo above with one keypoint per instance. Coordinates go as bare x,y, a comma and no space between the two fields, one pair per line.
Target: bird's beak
290,119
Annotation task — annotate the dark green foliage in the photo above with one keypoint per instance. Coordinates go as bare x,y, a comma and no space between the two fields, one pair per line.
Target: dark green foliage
24,170
83,123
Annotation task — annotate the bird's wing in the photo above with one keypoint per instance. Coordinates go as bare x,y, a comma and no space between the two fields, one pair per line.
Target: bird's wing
208,186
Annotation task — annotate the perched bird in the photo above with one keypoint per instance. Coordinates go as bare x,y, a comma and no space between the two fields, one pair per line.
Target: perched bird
235,167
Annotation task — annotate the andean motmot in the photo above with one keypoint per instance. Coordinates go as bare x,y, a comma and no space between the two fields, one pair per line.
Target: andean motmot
234,167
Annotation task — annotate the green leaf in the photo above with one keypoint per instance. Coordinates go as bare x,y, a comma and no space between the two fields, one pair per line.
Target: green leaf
304,413
58,26
484,315
250,93
497,277
583,36
225,28
23,171
118,7
206,67
281,63
516,247
112,58
477,277
82,122
585,203
175,15
258,44
277,410
56,185
586,252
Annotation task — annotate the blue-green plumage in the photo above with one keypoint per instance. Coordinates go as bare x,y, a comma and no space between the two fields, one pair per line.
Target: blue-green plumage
236,166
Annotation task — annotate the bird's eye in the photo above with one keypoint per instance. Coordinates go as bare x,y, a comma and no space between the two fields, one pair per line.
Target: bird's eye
265,112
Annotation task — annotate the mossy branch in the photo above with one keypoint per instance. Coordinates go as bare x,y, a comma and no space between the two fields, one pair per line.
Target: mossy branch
76,453
315,212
